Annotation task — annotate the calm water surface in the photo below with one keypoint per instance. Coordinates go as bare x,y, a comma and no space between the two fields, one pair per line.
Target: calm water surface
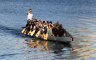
77,17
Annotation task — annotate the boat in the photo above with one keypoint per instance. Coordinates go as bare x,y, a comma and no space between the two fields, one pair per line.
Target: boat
48,36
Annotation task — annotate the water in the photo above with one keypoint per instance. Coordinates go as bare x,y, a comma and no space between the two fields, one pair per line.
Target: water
78,17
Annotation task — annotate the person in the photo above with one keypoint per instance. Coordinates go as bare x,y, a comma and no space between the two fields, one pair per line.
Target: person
29,15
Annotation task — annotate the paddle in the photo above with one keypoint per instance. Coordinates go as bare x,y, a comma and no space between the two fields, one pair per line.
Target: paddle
32,32
38,33
23,31
45,36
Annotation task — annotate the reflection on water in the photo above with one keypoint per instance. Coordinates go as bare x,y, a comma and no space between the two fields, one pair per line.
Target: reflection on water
47,45
53,50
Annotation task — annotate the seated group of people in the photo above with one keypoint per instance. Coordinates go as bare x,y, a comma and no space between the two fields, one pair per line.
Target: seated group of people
38,25
44,26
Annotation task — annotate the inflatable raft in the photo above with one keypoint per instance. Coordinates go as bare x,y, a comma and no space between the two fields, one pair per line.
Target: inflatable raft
66,37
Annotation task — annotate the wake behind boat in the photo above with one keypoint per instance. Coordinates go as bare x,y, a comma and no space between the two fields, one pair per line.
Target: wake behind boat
46,30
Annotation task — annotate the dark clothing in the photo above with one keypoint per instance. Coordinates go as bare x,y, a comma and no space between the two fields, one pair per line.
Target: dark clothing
61,32
55,31
58,31
45,30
